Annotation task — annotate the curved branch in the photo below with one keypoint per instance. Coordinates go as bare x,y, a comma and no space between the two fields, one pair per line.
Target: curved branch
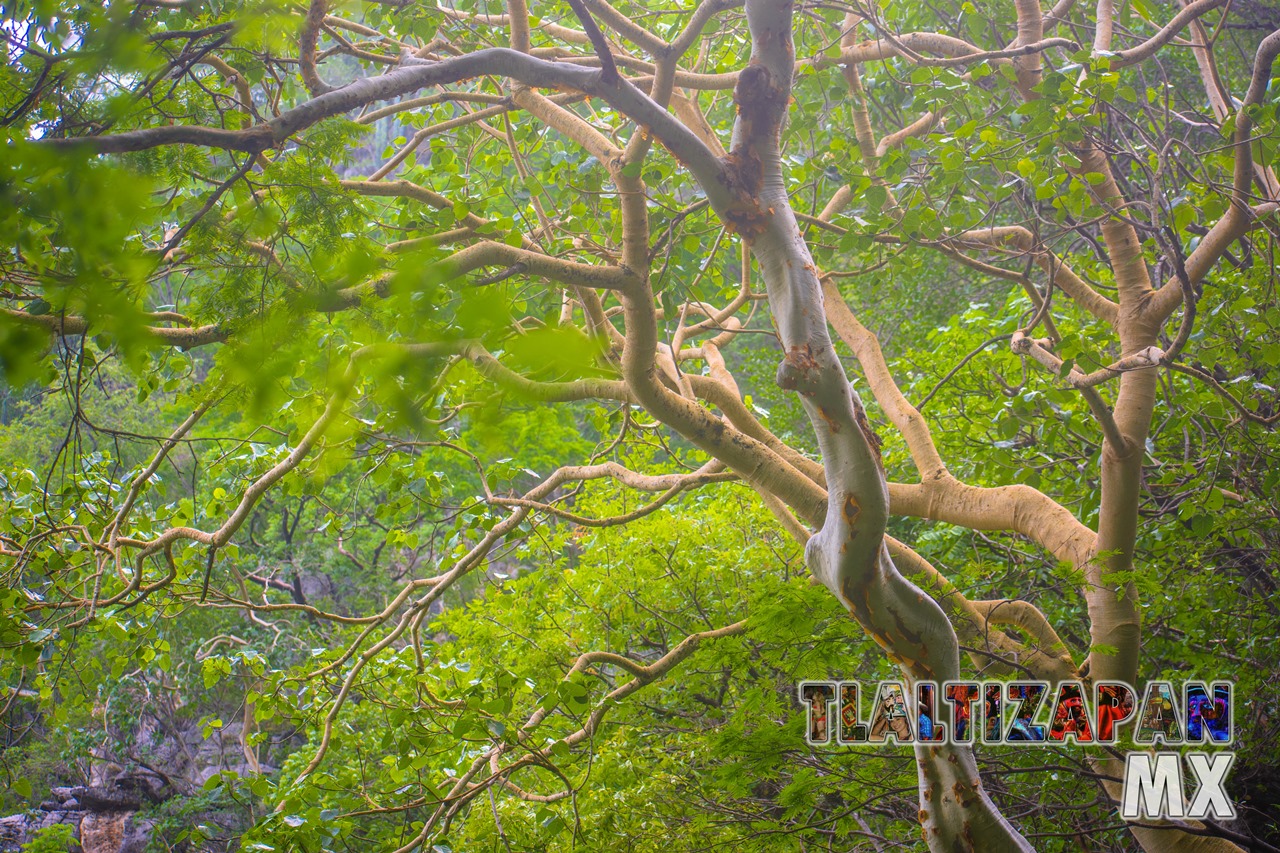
187,338
1026,617
410,77
609,71
1180,21
974,625
952,52
866,348
1018,508
1063,277
307,41
1240,215
919,127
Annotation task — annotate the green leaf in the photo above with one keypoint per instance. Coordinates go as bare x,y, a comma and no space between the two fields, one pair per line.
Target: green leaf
875,197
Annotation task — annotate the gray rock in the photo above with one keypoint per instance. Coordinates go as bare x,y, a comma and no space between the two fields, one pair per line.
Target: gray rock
17,830
137,835
108,799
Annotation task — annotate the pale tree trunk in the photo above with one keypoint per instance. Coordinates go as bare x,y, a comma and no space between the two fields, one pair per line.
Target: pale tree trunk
848,554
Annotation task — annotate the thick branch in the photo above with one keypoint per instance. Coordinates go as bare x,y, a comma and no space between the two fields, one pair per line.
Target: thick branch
1240,214
416,75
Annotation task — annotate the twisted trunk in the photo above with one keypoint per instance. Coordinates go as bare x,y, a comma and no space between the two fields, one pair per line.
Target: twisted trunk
848,553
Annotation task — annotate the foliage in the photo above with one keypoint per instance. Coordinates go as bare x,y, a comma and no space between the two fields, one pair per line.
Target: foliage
57,838
401,456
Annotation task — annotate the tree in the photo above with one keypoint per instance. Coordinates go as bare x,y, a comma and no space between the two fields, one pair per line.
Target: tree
608,213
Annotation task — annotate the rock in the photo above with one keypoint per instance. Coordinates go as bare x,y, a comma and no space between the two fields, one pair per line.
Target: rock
17,830
102,832
12,832
241,769
137,835
171,763
108,800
